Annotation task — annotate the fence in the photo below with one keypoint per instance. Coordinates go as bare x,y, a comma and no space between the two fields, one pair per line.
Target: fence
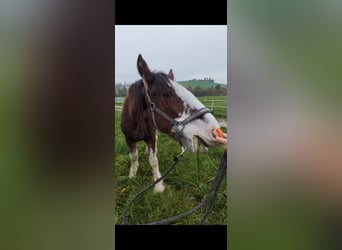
212,105
119,103
215,106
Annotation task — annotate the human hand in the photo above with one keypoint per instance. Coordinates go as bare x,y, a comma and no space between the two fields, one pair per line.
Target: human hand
221,140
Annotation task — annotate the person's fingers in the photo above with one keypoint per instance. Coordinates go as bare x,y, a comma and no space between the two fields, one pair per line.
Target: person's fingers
221,140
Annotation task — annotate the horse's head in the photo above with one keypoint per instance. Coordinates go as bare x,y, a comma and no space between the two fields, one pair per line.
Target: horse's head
174,110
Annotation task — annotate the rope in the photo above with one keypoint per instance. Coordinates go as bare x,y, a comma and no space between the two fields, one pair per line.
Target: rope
175,160
212,194
215,187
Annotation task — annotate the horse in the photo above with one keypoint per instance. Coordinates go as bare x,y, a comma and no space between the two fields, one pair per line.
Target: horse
157,102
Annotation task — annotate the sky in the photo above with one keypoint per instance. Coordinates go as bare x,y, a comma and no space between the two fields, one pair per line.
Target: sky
190,51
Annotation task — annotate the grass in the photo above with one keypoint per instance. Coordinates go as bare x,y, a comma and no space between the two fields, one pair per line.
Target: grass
219,105
186,184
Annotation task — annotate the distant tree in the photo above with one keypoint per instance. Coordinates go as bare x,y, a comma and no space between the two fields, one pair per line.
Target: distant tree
123,91
117,87
189,87
197,90
120,89
211,91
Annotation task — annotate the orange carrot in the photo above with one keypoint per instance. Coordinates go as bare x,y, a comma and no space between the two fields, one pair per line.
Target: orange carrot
219,132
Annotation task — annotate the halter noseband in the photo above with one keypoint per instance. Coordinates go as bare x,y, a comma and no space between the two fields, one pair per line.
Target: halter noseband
178,125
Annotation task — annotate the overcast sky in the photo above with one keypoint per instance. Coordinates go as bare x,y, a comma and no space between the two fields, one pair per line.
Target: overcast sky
191,51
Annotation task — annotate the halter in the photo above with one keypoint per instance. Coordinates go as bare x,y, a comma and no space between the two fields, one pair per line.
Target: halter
178,125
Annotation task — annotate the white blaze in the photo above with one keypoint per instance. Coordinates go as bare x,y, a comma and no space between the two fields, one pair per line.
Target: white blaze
186,96
201,127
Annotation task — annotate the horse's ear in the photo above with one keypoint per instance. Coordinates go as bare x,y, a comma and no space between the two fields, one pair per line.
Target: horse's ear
143,69
170,75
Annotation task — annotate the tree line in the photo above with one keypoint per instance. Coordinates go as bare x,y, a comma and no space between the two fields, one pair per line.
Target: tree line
121,90
212,91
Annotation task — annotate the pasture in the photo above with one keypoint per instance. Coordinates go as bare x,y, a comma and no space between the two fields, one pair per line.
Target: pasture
186,184
217,105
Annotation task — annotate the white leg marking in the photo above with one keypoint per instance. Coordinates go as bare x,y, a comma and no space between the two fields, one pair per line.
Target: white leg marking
153,160
134,164
156,147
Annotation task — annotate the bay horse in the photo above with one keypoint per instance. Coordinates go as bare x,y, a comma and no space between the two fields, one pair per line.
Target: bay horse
158,102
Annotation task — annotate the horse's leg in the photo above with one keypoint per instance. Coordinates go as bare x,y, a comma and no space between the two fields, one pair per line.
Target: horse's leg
133,155
148,147
153,160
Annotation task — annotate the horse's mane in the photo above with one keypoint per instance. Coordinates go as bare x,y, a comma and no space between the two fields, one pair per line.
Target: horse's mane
163,84
160,85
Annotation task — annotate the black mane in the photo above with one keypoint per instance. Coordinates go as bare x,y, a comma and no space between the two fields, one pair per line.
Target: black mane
162,83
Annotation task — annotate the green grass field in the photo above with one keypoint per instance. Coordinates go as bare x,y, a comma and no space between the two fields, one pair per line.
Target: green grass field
186,185
219,105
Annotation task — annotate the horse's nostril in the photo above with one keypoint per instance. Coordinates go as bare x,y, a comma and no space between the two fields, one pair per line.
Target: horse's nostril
214,132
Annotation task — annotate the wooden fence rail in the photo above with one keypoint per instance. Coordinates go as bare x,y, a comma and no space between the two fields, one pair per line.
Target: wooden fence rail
211,106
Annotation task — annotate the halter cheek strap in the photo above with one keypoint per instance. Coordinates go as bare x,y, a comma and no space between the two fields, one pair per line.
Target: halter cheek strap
152,104
178,125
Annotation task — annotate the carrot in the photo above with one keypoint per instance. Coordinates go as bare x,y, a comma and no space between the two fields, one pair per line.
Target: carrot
219,132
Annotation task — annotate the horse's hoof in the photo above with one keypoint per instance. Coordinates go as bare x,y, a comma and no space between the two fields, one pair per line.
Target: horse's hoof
159,188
